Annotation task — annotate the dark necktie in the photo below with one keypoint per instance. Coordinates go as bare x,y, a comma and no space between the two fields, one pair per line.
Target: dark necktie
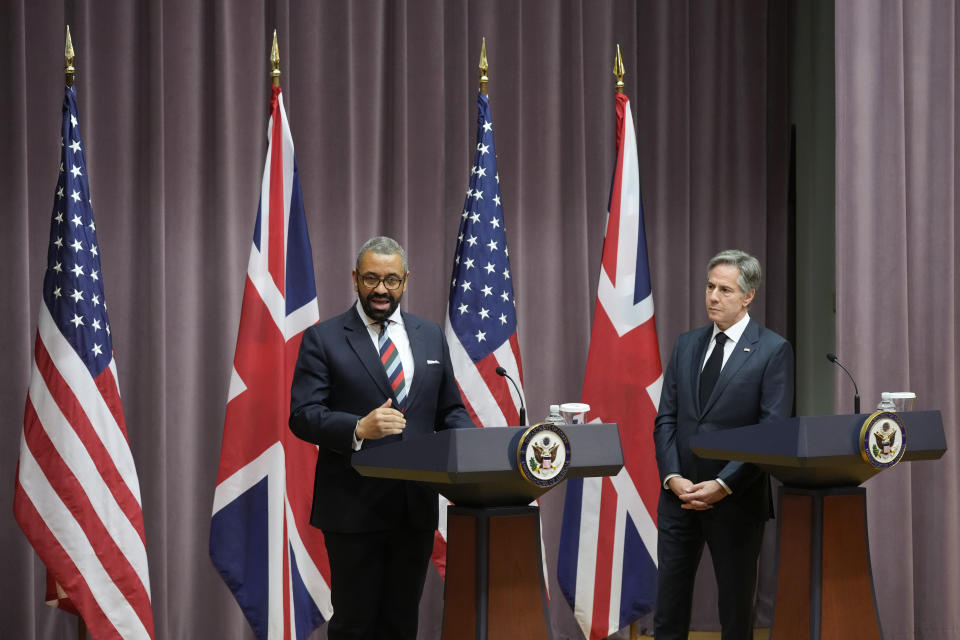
390,358
711,370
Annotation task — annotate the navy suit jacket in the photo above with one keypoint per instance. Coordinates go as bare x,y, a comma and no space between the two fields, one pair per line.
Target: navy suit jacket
755,385
339,379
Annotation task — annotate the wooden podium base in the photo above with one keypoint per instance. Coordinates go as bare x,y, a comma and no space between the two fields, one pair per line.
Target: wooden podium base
824,581
494,577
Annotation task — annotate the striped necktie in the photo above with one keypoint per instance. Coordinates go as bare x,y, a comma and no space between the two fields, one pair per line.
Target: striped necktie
390,358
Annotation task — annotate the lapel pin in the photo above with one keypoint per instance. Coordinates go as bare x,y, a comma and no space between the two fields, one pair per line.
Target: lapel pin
746,348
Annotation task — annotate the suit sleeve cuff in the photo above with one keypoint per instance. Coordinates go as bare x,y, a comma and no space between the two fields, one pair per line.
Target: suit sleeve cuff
357,442
725,487
668,478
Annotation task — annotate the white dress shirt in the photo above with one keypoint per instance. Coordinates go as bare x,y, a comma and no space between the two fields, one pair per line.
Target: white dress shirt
733,333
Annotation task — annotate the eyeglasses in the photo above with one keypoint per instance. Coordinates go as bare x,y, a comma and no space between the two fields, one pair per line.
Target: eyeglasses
391,282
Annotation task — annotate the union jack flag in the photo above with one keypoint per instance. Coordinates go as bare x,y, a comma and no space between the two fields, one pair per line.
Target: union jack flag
481,322
261,540
77,496
608,543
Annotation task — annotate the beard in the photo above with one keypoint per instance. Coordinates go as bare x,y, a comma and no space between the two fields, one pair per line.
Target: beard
375,313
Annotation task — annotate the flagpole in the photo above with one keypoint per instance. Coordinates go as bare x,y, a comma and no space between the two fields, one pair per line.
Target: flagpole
618,73
69,71
618,70
484,67
275,61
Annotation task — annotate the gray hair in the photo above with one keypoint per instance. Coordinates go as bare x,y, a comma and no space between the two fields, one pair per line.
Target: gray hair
748,266
383,246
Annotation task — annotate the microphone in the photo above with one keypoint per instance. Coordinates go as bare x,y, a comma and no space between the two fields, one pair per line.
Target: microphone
832,357
523,412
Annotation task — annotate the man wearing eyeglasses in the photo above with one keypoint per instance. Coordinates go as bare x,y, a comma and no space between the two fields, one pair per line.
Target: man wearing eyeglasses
365,378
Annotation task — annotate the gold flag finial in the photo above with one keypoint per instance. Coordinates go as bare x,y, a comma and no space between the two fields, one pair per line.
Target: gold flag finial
68,68
484,67
618,70
275,61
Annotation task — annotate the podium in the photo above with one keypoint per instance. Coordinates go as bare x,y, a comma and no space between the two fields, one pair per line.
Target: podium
824,580
494,577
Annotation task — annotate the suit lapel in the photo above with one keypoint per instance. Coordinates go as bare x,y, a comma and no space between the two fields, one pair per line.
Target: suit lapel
742,351
358,337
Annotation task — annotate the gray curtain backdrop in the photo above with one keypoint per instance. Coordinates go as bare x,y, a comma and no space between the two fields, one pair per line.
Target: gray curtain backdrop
381,98
898,281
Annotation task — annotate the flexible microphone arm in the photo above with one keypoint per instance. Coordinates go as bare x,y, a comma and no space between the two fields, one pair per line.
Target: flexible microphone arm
523,412
832,357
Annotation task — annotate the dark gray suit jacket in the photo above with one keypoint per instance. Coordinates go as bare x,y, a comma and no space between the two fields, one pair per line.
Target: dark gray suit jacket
755,385
338,380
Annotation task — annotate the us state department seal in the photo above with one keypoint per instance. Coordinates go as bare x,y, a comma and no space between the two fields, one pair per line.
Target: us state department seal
543,454
883,439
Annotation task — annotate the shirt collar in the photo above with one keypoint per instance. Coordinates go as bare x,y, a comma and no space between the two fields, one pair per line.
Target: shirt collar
396,317
733,332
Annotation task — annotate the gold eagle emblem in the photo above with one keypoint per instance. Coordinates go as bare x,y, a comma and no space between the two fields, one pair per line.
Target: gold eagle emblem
545,453
885,437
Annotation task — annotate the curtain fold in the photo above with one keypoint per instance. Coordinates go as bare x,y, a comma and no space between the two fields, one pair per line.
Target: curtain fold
898,252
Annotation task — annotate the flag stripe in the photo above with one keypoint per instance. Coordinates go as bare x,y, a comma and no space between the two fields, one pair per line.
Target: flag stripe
617,550
611,241
602,598
275,251
511,361
59,563
110,392
630,504
307,564
76,485
473,384
286,590
77,439
587,556
92,403
73,539
489,396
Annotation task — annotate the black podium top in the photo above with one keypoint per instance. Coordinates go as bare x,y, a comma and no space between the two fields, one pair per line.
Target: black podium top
478,467
818,451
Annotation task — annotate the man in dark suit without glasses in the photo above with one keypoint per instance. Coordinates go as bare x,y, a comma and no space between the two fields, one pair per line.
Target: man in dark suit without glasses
365,378
730,373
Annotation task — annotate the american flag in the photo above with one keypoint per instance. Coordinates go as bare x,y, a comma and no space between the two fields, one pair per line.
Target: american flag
481,325
608,543
261,540
77,496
